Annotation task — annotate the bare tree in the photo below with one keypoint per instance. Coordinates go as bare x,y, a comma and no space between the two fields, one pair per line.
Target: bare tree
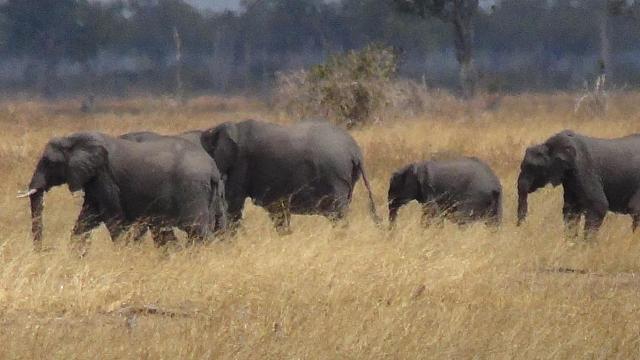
629,8
178,44
458,13
606,10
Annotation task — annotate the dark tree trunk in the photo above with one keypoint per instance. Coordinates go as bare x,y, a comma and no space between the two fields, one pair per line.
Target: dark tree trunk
50,75
178,48
50,68
463,41
605,46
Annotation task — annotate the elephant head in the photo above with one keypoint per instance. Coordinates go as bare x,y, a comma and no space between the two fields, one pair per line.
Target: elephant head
75,160
221,142
544,164
407,184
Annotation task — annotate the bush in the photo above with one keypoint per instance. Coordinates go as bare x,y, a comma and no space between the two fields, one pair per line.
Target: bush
352,89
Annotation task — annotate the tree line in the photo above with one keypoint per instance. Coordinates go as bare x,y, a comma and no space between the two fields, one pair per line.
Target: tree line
59,46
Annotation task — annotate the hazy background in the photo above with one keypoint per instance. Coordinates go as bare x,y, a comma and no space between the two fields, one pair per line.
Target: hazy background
124,47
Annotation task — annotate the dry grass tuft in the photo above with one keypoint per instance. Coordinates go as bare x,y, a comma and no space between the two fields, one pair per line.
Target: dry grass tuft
359,292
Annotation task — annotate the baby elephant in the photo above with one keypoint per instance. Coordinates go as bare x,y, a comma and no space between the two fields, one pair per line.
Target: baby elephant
461,190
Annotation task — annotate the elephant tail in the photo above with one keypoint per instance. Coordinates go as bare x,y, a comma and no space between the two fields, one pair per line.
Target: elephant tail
372,204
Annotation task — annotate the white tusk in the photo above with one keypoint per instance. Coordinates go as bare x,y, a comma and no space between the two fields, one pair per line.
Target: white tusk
27,193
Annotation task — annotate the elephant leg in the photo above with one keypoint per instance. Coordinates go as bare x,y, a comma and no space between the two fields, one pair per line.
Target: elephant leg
162,236
88,219
137,231
336,211
337,218
493,217
234,222
116,228
634,210
196,233
431,215
198,229
234,215
280,215
571,217
594,218
571,213
493,222
219,223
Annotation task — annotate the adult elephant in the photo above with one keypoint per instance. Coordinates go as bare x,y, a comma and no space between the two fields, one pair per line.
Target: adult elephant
169,182
166,234
307,168
597,175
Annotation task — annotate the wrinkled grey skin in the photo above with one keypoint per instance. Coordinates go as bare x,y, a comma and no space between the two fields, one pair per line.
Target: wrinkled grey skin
306,168
165,183
597,175
143,136
462,190
191,136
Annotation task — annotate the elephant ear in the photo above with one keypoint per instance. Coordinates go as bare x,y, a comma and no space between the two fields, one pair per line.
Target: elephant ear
536,156
221,143
87,157
424,181
564,151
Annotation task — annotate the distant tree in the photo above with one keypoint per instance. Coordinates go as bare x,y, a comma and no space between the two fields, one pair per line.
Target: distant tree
624,7
458,13
43,29
614,8
153,23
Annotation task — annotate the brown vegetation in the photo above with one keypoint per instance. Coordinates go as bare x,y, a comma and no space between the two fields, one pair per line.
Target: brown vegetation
359,292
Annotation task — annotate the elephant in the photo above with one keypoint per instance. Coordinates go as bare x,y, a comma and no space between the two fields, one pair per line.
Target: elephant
597,175
310,167
192,136
166,183
463,190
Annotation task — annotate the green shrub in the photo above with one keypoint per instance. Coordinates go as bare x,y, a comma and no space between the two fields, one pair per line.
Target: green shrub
350,89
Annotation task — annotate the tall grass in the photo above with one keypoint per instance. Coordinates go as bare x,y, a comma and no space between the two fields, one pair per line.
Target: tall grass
324,292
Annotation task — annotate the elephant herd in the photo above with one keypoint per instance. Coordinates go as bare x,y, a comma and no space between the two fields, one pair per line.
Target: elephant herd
198,181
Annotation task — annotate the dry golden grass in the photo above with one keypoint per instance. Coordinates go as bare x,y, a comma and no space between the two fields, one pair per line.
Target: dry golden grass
359,292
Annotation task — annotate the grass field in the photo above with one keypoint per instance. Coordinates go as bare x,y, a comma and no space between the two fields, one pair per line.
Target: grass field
323,293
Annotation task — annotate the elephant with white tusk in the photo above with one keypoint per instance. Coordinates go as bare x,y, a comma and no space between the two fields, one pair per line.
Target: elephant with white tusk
165,183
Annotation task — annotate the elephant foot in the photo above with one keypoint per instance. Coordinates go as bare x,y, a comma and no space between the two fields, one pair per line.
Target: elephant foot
284,231
281,221
79,248
37,246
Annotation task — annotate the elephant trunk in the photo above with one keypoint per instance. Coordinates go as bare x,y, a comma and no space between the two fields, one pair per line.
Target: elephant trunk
393,214
524,185
37,205
394,207
37,187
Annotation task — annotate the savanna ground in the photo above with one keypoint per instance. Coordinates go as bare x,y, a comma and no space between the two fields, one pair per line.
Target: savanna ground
359,292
